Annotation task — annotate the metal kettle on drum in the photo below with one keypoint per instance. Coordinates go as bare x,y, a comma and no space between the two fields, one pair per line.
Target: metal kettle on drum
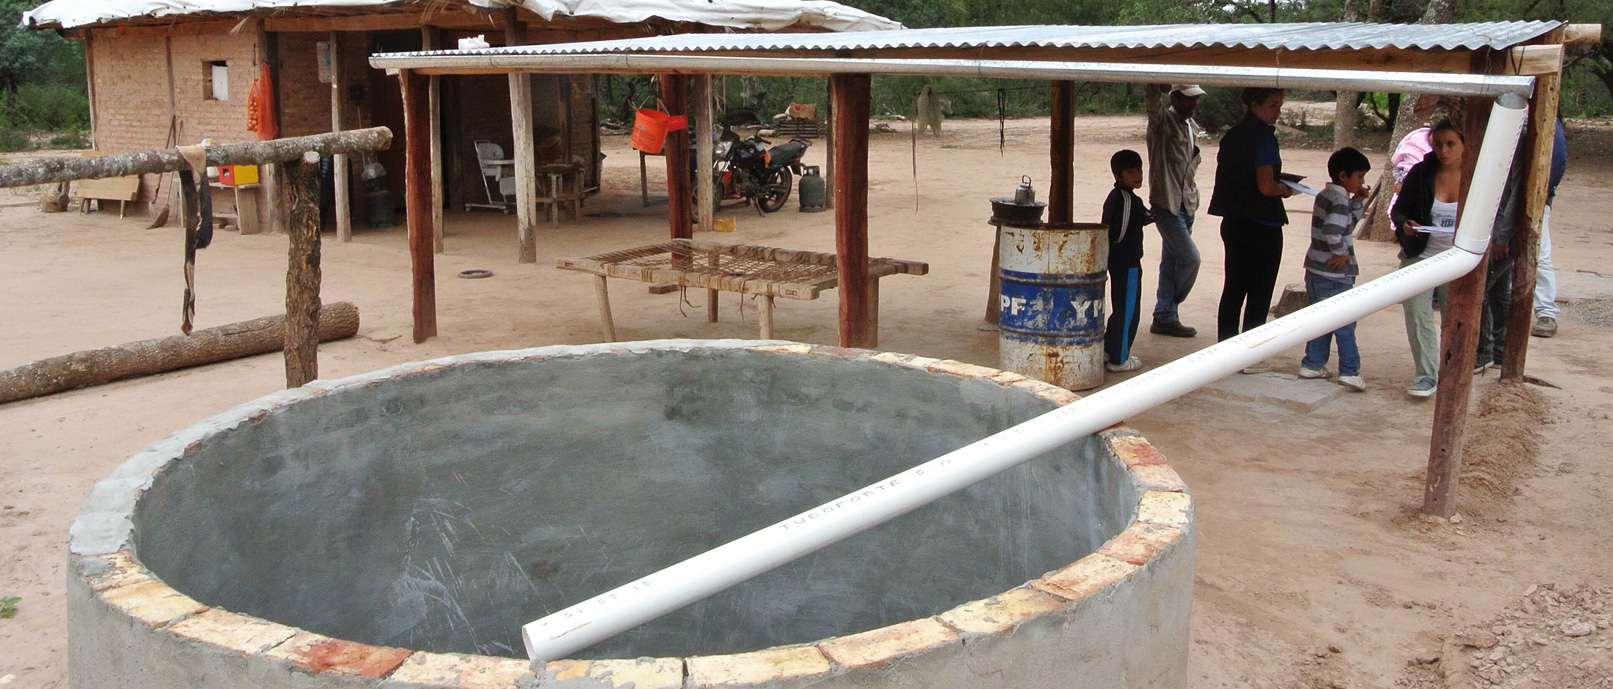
1025,194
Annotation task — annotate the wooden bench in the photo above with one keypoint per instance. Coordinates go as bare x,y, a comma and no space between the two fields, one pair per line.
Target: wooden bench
763,271
120,189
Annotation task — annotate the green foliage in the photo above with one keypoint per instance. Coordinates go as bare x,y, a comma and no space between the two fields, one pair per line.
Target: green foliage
12,139
51,107
75,139
29,56
1219,109
8,606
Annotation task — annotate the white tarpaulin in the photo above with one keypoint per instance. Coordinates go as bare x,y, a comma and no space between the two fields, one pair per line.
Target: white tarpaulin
765,15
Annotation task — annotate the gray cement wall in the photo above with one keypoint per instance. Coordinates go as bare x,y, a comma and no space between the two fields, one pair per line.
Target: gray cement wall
436,507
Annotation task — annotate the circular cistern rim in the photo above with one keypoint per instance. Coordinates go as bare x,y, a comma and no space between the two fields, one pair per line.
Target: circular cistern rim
100,548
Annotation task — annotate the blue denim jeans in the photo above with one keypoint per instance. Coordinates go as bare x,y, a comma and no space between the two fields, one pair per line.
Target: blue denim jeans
1178,262
1318,288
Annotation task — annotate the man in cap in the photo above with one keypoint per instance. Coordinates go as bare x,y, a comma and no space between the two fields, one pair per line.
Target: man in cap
1173,161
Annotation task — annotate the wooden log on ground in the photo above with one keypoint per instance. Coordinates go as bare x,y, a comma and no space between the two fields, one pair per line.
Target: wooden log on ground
302,270
147,357
67,168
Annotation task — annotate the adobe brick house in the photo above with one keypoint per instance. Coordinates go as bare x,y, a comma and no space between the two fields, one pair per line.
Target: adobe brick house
190,64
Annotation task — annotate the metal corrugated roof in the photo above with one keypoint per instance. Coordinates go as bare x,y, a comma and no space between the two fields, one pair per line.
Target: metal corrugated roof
1348,36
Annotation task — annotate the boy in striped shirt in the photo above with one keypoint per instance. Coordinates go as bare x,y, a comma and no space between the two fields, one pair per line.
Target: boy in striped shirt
1330,266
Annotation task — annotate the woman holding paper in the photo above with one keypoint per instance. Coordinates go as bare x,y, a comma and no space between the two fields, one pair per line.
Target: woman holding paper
1425,215
1249,197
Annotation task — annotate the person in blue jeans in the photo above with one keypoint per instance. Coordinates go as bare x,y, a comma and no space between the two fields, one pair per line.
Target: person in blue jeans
1173,194
1330,266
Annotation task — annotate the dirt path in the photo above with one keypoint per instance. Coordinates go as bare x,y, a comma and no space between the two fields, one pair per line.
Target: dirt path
1308,539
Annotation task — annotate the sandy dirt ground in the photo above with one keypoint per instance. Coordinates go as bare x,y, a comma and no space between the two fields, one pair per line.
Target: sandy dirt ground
1313,570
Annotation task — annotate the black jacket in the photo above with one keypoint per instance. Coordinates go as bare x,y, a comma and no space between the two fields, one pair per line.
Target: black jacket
1416,203
1237,194
1126,216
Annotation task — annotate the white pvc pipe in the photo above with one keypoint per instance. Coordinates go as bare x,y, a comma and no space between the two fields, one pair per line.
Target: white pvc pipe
625,607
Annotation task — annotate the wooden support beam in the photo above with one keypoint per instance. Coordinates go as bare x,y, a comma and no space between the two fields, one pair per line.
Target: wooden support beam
68,168
675,93
1532,60
343,185
1458,348
1061,184
526,152
416,129
431,39
302,270
851,100
705,151
1582,34
829,154
1526,238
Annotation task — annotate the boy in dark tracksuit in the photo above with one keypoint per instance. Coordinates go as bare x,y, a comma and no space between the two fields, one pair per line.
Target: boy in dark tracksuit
1126,215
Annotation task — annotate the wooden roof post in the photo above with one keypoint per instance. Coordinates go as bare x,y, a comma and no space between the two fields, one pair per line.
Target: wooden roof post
675,94
704,152
338,93
431,39
829,152
526,152
1458,347
302,270
850,95
417,149
1526,239
1061,185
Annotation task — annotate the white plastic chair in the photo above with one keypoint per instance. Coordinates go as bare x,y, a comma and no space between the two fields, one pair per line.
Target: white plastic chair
487,153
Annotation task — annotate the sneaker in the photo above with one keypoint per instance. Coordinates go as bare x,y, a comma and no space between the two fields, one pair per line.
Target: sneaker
1308,373
1355,382
1131,364
1545,326
1424,387
1258,367
1172,329
1479,367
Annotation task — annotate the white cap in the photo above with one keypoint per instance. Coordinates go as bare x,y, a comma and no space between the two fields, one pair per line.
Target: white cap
1188,90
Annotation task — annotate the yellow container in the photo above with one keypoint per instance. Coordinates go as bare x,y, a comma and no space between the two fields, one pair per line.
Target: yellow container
239,174
724,224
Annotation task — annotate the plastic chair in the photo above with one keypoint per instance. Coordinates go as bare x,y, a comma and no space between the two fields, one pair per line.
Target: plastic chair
488,157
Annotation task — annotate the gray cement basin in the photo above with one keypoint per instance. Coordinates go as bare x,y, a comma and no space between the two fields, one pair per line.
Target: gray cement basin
427,511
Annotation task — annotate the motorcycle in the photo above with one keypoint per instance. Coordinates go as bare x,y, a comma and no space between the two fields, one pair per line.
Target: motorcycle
746,169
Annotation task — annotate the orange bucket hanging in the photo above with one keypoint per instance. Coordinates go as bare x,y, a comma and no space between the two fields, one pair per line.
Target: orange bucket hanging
650,127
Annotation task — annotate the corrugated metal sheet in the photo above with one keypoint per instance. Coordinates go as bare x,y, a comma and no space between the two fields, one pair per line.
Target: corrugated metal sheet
1268,36
764,15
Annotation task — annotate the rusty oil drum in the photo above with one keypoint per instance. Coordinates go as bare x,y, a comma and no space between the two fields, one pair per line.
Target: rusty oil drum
1051,311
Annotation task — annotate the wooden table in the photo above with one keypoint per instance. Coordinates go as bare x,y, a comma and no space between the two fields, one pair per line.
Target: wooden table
767,272
246,206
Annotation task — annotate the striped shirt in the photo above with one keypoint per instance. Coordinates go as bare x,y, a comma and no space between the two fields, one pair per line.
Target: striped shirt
1332,221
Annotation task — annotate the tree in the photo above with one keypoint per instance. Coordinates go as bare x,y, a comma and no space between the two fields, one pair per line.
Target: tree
30,56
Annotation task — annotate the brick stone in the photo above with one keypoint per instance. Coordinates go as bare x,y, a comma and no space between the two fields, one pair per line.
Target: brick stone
1165,509
1000,613
1140,541
562,670
881,645
1119,429
113,571
1048,391
639,673
1085,576
960,368
784,349
771,665
457,670
152,602
239,633
1135,450
1157,477
893,358
318,653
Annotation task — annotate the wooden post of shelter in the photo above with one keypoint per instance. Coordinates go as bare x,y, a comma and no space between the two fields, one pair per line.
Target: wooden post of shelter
302,270
850,95
417,150
829,151
675,94
431,39
338,93
1061,184
705,190
1458,348
1539,138
525,153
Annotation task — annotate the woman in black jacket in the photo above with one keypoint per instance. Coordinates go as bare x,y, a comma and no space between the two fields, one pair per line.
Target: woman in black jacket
1425,222
1249,198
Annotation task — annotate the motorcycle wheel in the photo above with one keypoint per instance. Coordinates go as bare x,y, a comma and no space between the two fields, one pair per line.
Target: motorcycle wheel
773,196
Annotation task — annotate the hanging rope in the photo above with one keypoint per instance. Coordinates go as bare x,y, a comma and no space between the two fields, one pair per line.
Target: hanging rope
1002,122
